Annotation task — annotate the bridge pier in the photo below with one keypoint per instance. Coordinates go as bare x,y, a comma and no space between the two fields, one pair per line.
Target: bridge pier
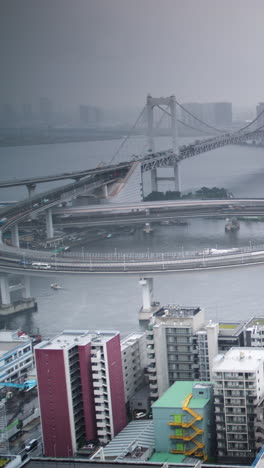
153,180
150,120
105,191
177,177
4,288
26,303
147,293
31,190
49,223
15,236
26,292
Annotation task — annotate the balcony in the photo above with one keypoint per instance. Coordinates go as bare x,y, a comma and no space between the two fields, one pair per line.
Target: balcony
97,383
101,415
152,377
153,386
99,400
101,425
98,392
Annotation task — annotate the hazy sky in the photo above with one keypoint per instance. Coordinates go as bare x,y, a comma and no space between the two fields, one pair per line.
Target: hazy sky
114,52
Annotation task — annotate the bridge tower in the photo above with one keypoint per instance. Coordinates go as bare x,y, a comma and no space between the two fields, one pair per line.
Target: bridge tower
150,105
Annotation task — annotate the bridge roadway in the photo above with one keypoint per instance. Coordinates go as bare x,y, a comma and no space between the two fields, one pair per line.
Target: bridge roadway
156,211
149,161
15,260
78,175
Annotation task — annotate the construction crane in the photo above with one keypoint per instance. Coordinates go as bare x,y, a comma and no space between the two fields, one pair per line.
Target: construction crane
28,385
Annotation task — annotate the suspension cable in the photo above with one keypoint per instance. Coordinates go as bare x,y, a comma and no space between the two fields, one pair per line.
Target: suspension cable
253,121
178,120
199,120
128,135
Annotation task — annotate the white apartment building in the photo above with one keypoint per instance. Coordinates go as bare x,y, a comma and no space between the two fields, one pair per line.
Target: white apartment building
134,362
179,347
239,389
16,356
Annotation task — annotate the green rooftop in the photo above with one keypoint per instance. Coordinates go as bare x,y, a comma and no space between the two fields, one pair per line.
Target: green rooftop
228,326
257,321
163,457
174,397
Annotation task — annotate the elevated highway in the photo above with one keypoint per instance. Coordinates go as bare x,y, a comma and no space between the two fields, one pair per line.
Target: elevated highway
16,260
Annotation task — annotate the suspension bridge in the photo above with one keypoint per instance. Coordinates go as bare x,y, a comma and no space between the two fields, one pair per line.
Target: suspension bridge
108,180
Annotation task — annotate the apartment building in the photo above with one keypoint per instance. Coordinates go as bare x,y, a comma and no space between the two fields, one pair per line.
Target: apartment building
239,389
134,362
180,346
81,389
16,356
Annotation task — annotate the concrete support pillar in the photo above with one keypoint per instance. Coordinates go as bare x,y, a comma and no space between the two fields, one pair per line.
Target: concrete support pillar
31,190
147,293
105,191
15,235
26,292
4,287
49,223
177,177
174,132
150,121
154,180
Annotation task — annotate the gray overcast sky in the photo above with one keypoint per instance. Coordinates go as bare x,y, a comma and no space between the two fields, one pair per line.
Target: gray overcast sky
113,52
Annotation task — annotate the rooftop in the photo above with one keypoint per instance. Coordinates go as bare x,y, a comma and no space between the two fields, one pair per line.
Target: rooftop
131,339
137,434
6,347
255,321
174,397
239,359
69,338
228,325
165,457
174,310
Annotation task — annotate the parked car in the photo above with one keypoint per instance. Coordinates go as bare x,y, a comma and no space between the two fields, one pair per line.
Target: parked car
31,445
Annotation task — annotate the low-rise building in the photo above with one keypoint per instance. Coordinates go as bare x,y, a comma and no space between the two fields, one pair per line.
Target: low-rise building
183,420
16,357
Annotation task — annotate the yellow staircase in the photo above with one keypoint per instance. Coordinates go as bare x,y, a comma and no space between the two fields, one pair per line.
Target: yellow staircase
196,450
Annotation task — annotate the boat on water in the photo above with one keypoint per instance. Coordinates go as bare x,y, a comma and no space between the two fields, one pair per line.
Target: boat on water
36,337
232,225
147,229
55,286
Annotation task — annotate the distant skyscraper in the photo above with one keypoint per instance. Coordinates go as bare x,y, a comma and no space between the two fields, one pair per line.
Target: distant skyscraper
9,116
27,114
213,113
45,110
81,389
222,113
90,115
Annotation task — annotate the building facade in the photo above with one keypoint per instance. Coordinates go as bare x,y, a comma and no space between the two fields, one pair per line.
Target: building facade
239,389
16,357
80,384
180,346
134,361
183,420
